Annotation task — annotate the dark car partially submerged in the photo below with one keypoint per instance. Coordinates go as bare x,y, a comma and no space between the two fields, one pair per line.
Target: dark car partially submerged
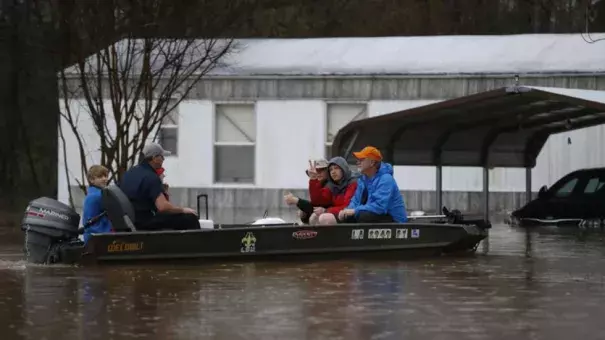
577,199
52,230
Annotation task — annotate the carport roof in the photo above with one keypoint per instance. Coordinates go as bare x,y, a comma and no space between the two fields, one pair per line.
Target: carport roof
505,127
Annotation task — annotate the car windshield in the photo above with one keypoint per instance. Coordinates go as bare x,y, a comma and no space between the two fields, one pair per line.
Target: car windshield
565,188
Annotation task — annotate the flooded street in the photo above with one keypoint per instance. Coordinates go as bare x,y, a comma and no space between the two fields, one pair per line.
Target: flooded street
557,293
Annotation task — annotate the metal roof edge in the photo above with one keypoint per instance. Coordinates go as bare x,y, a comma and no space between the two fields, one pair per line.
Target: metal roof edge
270,76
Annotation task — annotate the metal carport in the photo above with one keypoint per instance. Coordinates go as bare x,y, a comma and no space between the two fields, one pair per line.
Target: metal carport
505,127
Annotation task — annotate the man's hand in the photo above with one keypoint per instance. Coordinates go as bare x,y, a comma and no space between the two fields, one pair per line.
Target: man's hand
344,213
189,211
312,171
290,199
319,210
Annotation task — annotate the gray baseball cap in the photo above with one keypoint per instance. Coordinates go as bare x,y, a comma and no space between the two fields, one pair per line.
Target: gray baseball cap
154,149
321,163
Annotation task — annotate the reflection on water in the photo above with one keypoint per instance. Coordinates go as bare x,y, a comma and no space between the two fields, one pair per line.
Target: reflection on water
557,293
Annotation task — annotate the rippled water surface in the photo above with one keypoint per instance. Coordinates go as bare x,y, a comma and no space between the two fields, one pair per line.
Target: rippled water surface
557,292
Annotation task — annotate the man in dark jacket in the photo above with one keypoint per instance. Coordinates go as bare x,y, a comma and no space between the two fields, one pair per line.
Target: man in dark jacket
143,187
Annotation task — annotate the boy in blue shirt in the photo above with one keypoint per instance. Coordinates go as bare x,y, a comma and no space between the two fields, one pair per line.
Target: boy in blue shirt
93,207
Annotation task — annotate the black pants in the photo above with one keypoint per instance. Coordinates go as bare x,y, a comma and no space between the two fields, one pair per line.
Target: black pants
170,221
307,208
368,217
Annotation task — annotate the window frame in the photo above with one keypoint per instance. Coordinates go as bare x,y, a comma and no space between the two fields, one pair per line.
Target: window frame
217,144
174,126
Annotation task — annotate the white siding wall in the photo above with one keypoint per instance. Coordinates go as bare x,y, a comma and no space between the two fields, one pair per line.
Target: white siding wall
193,165
71,148
289,132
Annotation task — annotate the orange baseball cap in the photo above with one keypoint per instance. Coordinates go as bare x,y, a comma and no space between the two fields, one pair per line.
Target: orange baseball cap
368,152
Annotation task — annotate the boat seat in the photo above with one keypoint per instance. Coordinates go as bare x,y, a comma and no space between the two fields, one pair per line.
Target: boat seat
119,209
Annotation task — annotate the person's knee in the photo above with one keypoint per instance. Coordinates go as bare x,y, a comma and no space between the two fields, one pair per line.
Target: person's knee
327,218
314,219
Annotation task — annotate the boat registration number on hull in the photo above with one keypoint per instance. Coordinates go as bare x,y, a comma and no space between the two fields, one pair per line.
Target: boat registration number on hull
373,234
384,234
379,234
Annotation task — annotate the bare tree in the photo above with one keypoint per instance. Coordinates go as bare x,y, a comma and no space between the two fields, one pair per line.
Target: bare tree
590,17
128,88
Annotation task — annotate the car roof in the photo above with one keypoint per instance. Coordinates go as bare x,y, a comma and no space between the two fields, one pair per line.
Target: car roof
588,170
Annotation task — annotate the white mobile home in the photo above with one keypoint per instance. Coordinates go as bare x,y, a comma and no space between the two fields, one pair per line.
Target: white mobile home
245,133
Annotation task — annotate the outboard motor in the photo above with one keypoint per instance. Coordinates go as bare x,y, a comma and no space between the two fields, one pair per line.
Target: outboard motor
48,225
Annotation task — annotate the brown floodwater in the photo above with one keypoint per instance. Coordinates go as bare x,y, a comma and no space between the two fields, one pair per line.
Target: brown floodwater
557,291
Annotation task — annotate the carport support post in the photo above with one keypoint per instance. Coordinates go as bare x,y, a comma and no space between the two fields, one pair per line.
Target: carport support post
527,199
527,184
485,193
438,190
486,205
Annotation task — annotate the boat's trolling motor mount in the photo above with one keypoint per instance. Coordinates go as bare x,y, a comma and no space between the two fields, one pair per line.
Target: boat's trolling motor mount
49,227
456,217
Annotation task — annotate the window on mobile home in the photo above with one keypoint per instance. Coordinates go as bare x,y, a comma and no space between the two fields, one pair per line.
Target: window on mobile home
169,129
235,143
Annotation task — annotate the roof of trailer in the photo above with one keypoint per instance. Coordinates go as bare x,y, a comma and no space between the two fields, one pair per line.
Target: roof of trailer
420,55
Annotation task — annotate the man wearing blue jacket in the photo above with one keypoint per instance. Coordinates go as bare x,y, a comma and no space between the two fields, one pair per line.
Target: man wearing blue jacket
377,198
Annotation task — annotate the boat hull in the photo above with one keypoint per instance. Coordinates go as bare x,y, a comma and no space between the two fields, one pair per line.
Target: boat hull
245,242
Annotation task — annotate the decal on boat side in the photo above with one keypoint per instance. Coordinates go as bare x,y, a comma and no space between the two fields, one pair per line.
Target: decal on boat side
401,233
415,233
248,243
379,234
304,234
119,247
357,234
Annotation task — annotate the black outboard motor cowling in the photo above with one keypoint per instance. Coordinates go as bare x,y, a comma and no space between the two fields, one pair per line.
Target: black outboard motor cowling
48,223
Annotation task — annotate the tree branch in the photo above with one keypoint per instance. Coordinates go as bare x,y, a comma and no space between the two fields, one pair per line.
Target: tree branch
587,20
143,80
